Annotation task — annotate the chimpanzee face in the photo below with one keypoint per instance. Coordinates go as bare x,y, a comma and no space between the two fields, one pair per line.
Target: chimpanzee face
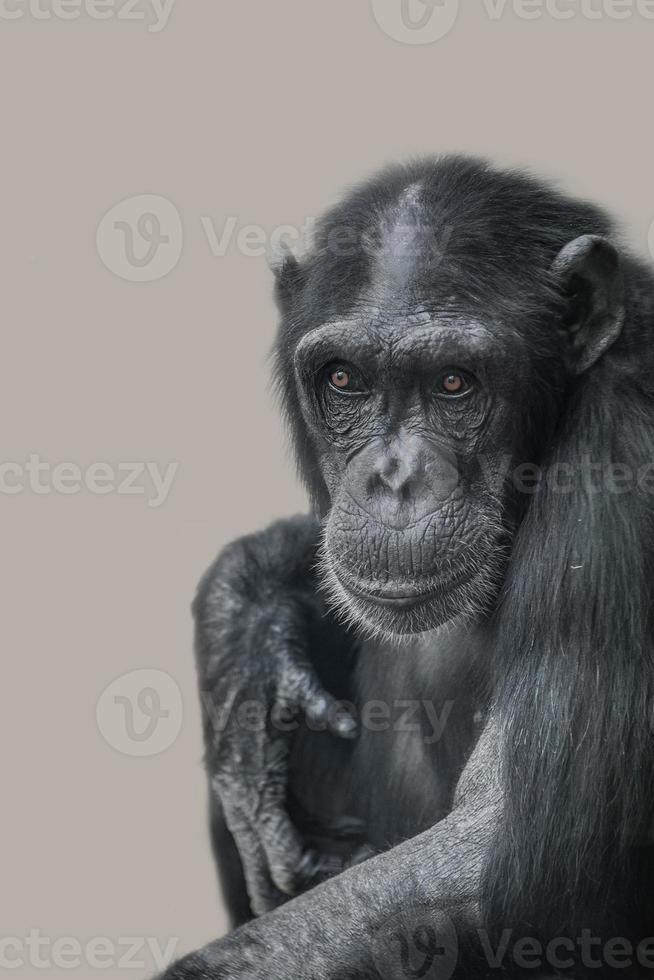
413,417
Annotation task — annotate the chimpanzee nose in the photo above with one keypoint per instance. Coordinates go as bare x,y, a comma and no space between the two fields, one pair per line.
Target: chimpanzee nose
394,474
398,470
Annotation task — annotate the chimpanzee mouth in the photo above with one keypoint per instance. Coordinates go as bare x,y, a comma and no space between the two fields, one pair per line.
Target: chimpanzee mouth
401,607
406,596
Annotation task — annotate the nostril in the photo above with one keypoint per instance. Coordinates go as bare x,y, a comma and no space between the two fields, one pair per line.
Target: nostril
394,476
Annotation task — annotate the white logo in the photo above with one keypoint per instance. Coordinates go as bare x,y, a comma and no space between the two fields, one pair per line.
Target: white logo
416,21
140,239
141,712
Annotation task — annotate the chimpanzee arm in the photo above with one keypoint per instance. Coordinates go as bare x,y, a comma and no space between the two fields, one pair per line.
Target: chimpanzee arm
420,894
255,612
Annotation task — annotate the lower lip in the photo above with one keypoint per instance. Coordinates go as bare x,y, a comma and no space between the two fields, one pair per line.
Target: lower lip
400,600
397,600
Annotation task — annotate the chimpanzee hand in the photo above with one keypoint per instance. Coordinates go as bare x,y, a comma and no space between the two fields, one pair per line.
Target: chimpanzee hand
249,765
253,615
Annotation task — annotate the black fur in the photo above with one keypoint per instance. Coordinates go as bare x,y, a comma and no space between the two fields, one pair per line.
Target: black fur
576,679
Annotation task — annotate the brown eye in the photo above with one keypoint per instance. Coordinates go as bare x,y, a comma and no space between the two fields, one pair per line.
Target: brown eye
340,378
453,383
344,377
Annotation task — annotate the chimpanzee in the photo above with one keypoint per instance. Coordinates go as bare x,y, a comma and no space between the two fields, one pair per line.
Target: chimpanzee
428,703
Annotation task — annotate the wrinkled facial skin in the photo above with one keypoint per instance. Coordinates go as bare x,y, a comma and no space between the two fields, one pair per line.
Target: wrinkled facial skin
415,434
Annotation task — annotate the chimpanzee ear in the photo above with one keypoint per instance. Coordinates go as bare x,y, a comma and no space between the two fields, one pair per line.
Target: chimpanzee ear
287,272
588,270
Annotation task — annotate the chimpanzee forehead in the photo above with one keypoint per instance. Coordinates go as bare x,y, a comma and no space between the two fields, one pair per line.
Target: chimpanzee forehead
408,342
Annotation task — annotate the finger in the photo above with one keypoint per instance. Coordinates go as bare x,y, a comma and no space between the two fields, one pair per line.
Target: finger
263,894
282,845
316,866
321,708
